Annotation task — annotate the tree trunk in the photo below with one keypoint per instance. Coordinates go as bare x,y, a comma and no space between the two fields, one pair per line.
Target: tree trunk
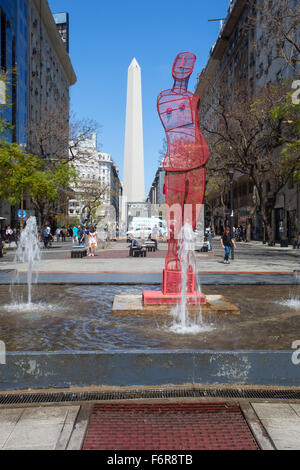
22,206
266,212
248,228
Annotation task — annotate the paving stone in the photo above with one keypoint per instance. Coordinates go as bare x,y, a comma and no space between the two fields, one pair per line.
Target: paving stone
281,422
168,427
38,428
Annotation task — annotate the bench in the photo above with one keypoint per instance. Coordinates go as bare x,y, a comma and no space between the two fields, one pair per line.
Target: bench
150,246
139,251
204,248
78,252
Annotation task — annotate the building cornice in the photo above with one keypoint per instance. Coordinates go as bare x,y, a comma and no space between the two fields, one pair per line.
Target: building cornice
57,44
220,46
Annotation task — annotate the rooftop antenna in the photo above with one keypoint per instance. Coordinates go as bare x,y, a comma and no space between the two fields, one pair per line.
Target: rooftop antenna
221,21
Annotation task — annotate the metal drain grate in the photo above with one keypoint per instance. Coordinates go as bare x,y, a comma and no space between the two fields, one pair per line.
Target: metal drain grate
57,397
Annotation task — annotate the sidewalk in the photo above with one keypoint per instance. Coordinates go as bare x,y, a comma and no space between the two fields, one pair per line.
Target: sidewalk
248,258
153,424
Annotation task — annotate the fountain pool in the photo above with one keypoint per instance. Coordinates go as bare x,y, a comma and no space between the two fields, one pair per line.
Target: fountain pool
69,317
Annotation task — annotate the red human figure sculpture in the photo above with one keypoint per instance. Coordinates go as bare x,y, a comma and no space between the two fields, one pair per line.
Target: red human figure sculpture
184,164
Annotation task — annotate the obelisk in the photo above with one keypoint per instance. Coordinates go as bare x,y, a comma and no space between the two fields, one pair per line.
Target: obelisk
133,176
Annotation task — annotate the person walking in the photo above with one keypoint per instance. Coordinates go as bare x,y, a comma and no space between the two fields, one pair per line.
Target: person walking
227,242
9,234
63,234
81,235
58,233
75,235
92,241
46,236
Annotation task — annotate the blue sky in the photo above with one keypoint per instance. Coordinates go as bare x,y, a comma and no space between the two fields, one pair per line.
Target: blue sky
104,38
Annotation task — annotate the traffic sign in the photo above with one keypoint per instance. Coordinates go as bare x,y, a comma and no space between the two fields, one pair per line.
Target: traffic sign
20,214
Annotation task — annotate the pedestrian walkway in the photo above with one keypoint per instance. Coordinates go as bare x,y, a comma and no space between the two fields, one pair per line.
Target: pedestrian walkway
176,425
248,258
37,428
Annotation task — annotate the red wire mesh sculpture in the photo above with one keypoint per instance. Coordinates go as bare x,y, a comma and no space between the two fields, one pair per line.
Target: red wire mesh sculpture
184,163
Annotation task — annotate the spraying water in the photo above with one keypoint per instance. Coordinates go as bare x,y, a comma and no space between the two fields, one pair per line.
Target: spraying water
293,301
28,252
185,321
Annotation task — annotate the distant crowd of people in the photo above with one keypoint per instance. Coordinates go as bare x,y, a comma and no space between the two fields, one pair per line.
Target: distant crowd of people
80,235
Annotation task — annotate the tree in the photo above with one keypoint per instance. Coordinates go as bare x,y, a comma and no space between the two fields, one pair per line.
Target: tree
23,174
17,173
216,188
48,184
58,136
254,133
91,195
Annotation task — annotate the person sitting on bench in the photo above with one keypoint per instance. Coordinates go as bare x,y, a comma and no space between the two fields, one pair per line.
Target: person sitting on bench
154,235
133,244
151,239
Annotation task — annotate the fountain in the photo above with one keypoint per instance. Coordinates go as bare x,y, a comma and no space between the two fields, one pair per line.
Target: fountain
186,320
184,189
293,300
29,253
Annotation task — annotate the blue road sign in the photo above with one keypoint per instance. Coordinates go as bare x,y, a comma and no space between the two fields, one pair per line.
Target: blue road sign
20,214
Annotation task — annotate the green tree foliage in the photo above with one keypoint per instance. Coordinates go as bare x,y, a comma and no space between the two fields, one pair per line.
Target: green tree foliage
22,173
289,114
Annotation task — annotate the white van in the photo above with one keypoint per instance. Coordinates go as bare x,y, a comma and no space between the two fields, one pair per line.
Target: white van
141,227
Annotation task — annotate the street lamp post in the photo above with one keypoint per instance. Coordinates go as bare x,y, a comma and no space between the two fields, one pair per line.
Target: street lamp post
231,173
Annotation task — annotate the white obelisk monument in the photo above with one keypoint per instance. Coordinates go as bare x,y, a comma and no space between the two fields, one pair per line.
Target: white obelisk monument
133,176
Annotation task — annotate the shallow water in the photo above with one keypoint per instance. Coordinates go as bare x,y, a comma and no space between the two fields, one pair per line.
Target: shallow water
69,317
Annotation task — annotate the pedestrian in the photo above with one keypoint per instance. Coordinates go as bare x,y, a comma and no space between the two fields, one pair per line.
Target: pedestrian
227,242
58,233
50,236
46,236
206,242
242,233
92,241
9,234
63,234
75,235
154,235
81,235
209,239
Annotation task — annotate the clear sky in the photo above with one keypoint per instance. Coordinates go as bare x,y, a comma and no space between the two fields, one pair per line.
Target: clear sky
106,35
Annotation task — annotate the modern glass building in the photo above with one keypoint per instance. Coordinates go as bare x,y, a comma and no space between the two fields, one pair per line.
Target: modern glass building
13,62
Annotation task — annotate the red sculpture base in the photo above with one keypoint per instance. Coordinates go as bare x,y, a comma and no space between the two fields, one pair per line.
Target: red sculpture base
171,293
153,297
172,282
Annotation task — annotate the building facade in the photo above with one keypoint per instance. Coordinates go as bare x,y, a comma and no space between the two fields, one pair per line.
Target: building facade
62,24
98,174
245,52
50,71
32,48
156,192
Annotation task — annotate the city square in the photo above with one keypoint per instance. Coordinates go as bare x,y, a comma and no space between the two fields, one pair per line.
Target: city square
150,302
